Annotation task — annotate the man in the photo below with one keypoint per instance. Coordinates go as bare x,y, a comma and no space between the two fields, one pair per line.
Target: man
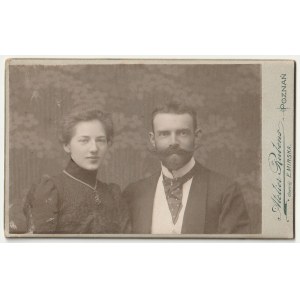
184,197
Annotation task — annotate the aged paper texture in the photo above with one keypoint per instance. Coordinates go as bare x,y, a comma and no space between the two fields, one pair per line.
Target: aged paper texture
232,120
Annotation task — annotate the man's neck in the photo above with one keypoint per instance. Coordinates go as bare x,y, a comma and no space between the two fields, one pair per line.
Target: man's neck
180,172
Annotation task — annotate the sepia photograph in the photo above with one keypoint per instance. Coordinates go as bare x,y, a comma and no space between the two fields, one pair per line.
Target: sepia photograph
144,148
149,150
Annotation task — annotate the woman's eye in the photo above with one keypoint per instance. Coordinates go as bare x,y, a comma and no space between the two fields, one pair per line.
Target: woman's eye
83,141
101,141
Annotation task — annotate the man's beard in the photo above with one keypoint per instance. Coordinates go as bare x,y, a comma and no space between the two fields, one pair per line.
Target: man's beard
174,157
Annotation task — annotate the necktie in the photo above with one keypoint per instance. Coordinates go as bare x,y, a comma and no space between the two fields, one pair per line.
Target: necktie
173,191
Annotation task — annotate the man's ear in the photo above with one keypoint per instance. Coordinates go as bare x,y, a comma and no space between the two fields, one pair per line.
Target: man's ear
151,139
198,135
67,148
198,132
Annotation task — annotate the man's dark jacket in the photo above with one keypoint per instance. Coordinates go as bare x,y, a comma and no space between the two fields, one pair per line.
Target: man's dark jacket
215,205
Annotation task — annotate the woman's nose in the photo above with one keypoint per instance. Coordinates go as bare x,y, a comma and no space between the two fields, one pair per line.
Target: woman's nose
93,146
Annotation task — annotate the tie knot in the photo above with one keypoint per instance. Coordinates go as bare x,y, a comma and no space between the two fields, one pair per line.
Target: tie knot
179,181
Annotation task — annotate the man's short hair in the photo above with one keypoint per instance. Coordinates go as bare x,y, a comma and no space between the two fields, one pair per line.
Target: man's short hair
175,108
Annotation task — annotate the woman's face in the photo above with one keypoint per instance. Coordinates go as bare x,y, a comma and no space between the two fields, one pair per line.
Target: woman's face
88,144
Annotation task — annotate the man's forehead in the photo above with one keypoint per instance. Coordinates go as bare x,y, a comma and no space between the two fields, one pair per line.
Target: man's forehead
184,120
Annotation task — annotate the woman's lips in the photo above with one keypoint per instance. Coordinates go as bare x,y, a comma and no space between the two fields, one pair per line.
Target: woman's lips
93,157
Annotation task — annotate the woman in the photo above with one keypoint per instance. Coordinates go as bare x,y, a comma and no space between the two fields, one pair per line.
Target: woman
74,201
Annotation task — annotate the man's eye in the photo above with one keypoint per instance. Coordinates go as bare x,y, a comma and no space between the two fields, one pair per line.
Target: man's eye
184,132
163,133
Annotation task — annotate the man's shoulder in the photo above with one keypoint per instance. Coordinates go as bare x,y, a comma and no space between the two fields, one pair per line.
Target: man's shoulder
143,183
213,176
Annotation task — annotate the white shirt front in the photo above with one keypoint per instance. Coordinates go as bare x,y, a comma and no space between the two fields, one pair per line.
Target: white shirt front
161,217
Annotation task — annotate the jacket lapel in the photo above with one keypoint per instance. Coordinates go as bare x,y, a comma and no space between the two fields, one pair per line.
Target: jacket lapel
144,214
194,216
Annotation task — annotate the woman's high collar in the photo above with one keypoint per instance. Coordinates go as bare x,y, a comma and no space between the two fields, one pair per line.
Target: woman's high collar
87,176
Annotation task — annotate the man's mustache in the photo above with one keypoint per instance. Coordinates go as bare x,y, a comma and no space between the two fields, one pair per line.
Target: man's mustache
172,149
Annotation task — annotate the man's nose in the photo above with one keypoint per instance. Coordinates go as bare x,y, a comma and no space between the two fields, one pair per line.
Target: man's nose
173,139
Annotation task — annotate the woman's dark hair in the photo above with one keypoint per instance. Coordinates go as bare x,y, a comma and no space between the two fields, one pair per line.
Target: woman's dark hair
70,121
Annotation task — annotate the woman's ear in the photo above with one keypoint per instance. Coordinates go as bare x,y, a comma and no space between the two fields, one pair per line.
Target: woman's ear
67,148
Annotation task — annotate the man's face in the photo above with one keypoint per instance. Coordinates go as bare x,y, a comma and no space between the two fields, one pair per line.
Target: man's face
173,137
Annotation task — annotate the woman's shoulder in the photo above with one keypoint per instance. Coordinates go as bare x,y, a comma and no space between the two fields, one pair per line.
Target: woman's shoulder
112,188
41,204
46,185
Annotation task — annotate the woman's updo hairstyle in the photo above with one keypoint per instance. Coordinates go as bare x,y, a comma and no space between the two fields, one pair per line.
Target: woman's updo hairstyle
70,121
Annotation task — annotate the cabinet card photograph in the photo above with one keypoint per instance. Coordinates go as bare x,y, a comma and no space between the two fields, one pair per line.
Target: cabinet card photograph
149,148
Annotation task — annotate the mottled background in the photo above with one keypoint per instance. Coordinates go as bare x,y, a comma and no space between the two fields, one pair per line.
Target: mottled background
227,99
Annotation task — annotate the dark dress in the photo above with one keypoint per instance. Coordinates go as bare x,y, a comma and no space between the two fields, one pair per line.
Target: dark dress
75,202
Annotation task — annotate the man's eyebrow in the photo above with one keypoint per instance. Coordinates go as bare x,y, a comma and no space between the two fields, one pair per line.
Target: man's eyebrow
166,130
184,129
87,136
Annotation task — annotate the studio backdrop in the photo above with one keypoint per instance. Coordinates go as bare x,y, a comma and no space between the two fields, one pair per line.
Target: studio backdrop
227,99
